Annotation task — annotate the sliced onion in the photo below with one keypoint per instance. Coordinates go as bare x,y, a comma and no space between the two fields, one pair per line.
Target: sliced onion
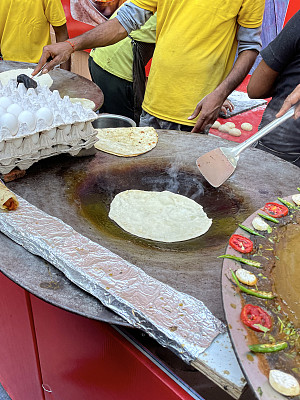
259,224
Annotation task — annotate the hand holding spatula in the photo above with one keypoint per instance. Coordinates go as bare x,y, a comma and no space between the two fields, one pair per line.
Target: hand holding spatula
219,164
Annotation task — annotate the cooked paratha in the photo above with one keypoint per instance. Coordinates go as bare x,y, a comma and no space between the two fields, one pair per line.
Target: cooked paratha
126,142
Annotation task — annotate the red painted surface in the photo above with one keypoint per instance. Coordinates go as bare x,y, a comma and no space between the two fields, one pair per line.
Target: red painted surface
75,28
293,7
85,359
19,370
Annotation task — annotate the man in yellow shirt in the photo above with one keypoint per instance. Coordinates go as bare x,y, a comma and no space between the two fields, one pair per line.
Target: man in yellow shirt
196,43
25,28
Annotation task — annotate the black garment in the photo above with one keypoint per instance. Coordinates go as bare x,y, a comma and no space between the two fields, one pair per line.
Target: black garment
118,92
283,56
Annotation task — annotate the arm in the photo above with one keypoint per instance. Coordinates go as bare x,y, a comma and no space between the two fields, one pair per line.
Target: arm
249,45
109,32
292,99
211,104
262,81
61,34
130,17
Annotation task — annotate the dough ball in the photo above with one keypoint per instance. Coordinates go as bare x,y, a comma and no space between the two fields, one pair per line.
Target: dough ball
230,125
223,128
216,125
234,132
246,126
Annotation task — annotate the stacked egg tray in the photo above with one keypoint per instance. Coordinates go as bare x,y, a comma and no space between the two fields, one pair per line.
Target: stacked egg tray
38,123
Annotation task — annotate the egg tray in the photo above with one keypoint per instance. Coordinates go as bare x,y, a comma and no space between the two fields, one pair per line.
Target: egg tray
70,131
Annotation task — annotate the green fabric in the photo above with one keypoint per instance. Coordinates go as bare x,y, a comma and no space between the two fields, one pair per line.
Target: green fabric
117,59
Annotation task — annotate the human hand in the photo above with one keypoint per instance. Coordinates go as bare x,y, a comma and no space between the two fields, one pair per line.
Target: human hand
227,106
58,53
291,100
208,108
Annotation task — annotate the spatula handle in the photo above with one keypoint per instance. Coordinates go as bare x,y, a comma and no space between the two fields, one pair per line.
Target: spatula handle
262,132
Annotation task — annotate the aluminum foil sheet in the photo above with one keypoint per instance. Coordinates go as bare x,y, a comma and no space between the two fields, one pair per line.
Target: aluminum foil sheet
176,320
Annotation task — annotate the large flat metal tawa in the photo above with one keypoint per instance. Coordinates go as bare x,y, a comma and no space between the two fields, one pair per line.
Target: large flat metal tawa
78,191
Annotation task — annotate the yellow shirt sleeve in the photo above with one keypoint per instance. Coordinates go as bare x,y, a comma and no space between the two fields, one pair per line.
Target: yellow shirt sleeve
54,12
150,5
251,13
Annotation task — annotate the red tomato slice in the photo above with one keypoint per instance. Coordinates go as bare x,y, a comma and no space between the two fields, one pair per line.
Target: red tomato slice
276,210
241,243
254,315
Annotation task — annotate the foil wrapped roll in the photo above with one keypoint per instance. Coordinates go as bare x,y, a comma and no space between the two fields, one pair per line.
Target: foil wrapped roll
176,320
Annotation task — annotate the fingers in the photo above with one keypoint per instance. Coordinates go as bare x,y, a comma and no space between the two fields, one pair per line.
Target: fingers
291,100
196,111
57,54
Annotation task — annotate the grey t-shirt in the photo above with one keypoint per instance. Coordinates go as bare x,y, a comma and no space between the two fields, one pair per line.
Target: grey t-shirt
283,56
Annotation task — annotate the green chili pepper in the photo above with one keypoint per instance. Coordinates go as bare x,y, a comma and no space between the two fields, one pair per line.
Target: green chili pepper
256,264
252,292
269,218
268,347
288,204
298,189
252,231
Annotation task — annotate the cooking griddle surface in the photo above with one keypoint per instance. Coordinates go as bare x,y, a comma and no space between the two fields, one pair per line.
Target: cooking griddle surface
79,190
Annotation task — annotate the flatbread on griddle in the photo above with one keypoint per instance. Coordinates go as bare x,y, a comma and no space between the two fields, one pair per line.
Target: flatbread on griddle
126,142
160,216
43,79
86,103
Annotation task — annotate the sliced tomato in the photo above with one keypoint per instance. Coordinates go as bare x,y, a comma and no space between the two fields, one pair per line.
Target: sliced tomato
276,210
241,243
253,316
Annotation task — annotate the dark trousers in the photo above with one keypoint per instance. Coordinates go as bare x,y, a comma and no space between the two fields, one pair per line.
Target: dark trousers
118,93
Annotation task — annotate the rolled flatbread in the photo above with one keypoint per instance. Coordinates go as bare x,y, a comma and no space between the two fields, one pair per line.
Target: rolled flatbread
8,200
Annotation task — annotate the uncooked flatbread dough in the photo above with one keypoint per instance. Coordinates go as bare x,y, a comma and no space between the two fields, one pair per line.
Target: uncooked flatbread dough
216,125
234,132
223,128
160,216
43,79
126,142
230,124
246,126
86,103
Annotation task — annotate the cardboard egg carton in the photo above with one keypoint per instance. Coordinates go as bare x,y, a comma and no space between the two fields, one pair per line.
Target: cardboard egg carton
50,126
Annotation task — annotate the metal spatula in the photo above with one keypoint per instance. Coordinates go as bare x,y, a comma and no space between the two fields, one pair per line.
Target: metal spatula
219,164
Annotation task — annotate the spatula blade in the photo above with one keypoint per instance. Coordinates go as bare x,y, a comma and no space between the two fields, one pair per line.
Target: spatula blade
215,167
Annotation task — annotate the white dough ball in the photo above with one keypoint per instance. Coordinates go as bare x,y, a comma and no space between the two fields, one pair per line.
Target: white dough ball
234,132
223,128
246,126
230,124
216,125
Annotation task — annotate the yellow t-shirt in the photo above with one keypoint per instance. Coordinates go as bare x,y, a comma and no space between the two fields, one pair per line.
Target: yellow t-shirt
117,59
25,27
195,50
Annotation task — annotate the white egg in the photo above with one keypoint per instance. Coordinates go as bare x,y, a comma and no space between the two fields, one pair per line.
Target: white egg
45,114
2,110
5,102
10,122
28,118
15,109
